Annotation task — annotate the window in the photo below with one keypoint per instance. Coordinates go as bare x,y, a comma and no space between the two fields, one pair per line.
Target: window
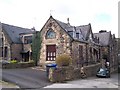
28,39
81,52
77,35
91,53
6,51
50,34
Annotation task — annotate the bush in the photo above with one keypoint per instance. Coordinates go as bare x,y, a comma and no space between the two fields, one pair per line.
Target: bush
63,60
13,61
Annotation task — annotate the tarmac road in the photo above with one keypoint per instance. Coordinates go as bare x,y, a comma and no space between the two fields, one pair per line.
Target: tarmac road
26,78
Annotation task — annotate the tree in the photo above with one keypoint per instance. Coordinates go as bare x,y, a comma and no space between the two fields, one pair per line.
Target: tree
36,46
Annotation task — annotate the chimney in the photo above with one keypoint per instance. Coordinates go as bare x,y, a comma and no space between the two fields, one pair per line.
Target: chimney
68,21
102,31
33,28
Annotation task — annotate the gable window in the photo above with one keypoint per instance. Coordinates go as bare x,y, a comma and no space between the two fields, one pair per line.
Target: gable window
50,34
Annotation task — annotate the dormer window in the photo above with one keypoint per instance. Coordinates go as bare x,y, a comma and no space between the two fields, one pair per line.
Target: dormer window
50,34
71,33
28,39
77,35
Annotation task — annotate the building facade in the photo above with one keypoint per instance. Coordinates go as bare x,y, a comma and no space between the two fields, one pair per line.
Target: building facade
76,41
15,42
108,48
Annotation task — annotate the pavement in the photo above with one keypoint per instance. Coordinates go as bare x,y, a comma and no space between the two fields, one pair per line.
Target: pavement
91,82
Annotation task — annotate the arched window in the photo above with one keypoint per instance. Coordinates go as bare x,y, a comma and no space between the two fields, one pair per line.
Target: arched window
50,34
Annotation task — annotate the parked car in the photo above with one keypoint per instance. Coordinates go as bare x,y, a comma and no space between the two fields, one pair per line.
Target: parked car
118,68
103,72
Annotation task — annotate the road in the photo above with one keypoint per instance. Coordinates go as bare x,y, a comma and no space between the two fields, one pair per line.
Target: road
33,78
27,78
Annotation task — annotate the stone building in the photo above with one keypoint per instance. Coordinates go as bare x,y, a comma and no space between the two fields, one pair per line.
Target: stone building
15,42
108,48
76,41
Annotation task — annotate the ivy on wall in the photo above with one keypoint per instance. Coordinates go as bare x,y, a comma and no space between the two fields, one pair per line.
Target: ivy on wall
36,46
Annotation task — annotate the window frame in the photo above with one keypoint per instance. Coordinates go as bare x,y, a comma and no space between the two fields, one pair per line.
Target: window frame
49,32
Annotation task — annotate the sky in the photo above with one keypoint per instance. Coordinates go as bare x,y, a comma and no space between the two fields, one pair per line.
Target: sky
102,14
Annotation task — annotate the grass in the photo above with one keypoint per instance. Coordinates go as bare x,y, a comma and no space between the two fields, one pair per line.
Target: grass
7,84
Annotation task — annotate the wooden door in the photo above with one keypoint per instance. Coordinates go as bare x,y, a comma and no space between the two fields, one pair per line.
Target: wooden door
50,52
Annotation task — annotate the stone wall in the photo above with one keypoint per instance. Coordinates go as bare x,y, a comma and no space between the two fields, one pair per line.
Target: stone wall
15,51
92,57
5,44
63,74
91,70
17,65
62,41
1,52
75,52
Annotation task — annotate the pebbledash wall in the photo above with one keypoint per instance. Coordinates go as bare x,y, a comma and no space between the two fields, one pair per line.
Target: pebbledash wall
62,42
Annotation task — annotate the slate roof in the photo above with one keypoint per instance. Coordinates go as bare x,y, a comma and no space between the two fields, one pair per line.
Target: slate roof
104,38
83,30
13,32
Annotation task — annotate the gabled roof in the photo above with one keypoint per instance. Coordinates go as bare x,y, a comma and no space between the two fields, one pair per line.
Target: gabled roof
13,32
104,38
83,30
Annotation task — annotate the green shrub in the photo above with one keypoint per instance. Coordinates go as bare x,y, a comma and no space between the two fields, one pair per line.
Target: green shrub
63,60
13,61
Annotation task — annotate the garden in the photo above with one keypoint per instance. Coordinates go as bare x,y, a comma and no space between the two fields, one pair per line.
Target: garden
10,64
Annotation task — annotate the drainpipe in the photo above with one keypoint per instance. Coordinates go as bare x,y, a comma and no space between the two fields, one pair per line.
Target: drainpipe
2,46
86,55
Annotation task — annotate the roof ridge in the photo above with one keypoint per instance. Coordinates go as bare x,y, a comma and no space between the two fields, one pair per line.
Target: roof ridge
101,33
83,25
16,26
